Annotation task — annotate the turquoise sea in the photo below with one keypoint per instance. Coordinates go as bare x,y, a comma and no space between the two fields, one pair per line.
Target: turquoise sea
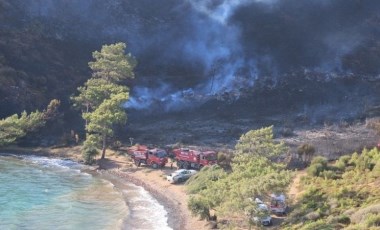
43,193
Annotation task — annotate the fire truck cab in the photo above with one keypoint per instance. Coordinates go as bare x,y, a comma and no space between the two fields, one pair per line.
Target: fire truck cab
188,158
153,157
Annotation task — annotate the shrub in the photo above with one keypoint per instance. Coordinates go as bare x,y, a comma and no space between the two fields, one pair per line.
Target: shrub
376,170
317,225
89,149
313,215
88,154
321,160
204,178
315,169
306,151
361,215
221,157
318,165
342,162
198,207
343,219
328,174
372,220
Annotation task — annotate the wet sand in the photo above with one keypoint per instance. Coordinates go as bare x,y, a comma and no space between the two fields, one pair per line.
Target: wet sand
172,196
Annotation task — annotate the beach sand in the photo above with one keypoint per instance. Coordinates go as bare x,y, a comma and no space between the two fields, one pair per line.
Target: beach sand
172,196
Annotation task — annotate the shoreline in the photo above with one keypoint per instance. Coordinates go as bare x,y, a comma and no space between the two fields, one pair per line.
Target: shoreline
175,219
172,197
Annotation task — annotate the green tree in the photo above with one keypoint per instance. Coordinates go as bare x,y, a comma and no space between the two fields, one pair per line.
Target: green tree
102,96
259,143
17,126
253,175
102,120
94,92
90,150
111,63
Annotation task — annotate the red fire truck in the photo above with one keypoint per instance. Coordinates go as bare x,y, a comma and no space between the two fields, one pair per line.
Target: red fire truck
152,157
188,158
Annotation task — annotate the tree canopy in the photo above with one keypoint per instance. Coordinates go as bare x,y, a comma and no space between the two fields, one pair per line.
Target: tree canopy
112,64
253,175
18,126
103,95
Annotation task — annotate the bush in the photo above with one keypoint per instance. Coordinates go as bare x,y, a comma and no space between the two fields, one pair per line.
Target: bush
372,220
342,162
198,207
315,169
224,159
317,225
362,214
364,162
328,174
376,170
320,160
89,149
313,215
306,151
318,165
204,178
343,219
221,157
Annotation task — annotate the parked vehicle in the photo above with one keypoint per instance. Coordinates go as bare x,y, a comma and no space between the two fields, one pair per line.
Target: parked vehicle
153,157
180,175
137,149
265,219
278,204
188,158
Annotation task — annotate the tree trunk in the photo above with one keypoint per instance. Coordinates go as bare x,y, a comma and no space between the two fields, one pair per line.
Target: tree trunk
104,147
87,109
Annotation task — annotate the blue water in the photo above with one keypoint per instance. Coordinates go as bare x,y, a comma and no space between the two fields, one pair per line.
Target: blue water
41,193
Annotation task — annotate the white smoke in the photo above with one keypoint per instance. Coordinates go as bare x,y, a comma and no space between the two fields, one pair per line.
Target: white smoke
221,10
217,45
227,85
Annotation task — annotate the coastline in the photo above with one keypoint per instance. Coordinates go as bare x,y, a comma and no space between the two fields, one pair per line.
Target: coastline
175,219
119,171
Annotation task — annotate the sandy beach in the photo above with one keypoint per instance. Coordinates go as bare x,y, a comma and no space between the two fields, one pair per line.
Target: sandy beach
119,169
172,196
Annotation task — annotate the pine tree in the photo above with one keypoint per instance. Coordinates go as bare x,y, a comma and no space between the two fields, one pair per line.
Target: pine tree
253,175
17,126
102,97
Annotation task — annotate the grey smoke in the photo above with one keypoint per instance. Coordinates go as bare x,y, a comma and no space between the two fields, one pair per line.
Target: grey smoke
195,50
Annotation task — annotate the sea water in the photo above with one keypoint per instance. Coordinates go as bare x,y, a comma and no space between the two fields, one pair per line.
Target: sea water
42,193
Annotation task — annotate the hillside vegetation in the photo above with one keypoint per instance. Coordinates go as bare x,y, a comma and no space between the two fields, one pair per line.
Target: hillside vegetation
340,195
231,195
343,195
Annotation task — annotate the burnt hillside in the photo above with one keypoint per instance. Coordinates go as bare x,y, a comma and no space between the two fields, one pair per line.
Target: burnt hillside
312,62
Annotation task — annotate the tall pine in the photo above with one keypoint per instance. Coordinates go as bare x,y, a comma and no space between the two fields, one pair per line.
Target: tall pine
102,96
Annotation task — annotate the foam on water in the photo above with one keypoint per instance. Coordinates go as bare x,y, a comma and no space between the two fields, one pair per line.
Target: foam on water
146,212
43,193
51,162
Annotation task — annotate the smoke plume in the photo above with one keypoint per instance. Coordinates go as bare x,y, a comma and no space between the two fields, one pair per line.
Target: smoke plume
196,50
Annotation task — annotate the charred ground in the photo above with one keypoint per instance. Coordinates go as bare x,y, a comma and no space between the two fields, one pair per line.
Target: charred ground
223,68
334,116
